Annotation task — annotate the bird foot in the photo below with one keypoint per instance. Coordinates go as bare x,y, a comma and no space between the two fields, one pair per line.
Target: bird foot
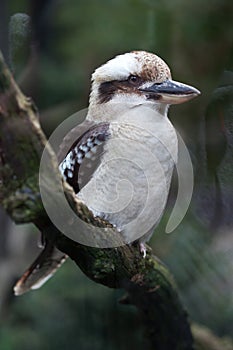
142,249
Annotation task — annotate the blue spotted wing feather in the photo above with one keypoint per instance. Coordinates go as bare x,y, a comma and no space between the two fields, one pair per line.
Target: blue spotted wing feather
79,161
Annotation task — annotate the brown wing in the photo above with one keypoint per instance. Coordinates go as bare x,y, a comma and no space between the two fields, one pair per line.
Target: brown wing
79,159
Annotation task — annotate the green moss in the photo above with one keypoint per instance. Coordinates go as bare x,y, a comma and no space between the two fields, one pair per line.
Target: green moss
24,204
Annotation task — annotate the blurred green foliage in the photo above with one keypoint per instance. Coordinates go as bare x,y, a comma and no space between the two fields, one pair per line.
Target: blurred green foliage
70,313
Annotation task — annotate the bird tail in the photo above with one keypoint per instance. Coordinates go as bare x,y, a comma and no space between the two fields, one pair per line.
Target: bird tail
43,268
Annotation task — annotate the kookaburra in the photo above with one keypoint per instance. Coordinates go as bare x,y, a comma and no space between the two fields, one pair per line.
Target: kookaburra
127,117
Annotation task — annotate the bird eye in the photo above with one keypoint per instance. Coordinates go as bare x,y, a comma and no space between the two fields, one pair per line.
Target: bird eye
133,79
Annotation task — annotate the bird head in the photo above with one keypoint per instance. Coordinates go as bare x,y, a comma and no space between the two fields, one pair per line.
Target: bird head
134,79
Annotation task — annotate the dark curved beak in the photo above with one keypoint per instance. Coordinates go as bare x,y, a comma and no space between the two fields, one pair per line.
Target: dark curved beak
170,92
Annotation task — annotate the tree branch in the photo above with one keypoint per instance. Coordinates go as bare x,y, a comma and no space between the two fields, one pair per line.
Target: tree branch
148,283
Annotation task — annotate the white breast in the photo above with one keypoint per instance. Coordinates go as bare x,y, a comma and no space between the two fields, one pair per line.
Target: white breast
131,186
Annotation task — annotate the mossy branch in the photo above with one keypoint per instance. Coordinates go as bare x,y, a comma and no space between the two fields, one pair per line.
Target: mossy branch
148,283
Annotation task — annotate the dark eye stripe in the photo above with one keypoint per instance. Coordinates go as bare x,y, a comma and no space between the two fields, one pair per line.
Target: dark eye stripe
108,89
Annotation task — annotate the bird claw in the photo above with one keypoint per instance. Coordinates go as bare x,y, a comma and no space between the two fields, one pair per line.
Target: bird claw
142,249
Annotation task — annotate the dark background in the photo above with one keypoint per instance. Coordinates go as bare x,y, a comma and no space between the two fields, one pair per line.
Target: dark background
69,39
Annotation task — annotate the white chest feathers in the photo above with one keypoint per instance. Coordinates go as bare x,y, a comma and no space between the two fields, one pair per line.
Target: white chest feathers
131,185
